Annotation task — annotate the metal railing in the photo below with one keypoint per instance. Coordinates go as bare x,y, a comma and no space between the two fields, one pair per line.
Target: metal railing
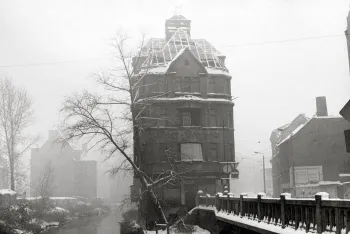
318,214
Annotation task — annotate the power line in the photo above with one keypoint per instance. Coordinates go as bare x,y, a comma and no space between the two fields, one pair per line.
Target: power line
102,58
286,40
52,63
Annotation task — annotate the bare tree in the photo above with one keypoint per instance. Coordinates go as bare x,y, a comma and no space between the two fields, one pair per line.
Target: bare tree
114,120
46,185
15,115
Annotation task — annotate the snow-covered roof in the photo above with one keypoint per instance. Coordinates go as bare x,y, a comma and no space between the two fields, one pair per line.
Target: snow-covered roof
185,98
7,191
295,131
160,52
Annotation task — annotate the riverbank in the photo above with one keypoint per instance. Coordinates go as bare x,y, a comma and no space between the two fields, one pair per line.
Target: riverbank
34,217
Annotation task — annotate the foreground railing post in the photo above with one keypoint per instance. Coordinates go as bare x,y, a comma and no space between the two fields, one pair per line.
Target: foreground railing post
229,209
283,210
241,208
318,210
198,197
217,201
259,208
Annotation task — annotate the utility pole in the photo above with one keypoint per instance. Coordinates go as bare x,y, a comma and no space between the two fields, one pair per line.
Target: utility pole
263,170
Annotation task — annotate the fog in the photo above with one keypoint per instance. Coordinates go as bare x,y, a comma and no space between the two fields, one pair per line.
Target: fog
281,55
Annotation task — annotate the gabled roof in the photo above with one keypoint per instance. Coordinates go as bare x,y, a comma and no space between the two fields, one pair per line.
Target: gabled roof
183,51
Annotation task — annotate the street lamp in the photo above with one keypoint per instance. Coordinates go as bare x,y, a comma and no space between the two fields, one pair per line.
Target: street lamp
263,169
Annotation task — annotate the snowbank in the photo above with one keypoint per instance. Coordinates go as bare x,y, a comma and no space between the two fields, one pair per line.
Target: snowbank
7,192
197,230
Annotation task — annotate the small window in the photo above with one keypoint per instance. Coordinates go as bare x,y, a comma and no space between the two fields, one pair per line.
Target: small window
191,152
162,152
212,118
211,85
228,153
213,152
195,87
187,62
186,119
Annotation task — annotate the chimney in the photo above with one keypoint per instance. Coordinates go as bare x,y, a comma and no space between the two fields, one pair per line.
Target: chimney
321,106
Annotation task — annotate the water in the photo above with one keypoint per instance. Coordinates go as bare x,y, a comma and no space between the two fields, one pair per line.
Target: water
95,225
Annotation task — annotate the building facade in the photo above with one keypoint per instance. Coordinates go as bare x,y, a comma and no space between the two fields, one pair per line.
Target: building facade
184,100
70,175
313,152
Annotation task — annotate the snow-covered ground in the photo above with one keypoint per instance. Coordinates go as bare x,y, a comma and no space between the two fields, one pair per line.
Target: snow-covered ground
197,230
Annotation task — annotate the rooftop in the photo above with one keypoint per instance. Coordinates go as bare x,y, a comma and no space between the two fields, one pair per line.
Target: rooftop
161,52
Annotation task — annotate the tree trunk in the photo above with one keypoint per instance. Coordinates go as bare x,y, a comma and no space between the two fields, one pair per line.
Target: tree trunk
12,174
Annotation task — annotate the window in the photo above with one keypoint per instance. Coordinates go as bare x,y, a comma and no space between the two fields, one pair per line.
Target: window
211,85
186,119
195,86
162,152
162,118
187,85
230,119
228,153
212,118
178,84
191,152
213,152
190,117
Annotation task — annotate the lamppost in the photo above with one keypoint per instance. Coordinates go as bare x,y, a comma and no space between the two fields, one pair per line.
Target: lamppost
263,169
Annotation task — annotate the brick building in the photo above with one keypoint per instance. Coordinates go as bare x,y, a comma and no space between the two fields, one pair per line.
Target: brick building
187,111
71,176
314,151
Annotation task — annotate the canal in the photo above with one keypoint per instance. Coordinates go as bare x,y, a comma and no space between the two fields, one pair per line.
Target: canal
96,225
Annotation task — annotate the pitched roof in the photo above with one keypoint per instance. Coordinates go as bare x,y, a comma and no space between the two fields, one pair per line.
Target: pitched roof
315,119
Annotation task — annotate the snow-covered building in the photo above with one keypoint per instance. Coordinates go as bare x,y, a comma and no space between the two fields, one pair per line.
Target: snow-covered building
186,107
312,152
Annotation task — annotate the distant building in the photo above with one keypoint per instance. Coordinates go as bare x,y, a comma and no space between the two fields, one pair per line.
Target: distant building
314,151
188,122
71,176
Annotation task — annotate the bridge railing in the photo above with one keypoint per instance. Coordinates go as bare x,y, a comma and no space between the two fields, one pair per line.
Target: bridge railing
318,214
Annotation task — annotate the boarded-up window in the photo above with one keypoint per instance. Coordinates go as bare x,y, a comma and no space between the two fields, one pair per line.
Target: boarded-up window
213,152
178,84
191,152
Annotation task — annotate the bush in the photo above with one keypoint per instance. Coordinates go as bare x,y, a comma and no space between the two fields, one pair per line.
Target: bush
132,227
56,214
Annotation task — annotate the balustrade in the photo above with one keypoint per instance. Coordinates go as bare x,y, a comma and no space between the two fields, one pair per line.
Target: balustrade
317,215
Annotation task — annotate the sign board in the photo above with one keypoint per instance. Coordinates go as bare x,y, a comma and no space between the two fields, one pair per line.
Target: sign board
305,175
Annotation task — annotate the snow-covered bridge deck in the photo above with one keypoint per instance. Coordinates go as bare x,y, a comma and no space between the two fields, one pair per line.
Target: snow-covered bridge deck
279,215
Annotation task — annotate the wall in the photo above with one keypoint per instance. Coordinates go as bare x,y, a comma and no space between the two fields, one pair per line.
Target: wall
319,143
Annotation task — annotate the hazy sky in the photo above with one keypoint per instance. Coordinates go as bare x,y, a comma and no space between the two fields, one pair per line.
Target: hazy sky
274,82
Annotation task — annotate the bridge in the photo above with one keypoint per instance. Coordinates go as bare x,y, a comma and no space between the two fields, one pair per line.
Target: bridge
225,213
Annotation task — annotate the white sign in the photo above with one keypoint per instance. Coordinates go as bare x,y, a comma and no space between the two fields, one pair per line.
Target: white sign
307,174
